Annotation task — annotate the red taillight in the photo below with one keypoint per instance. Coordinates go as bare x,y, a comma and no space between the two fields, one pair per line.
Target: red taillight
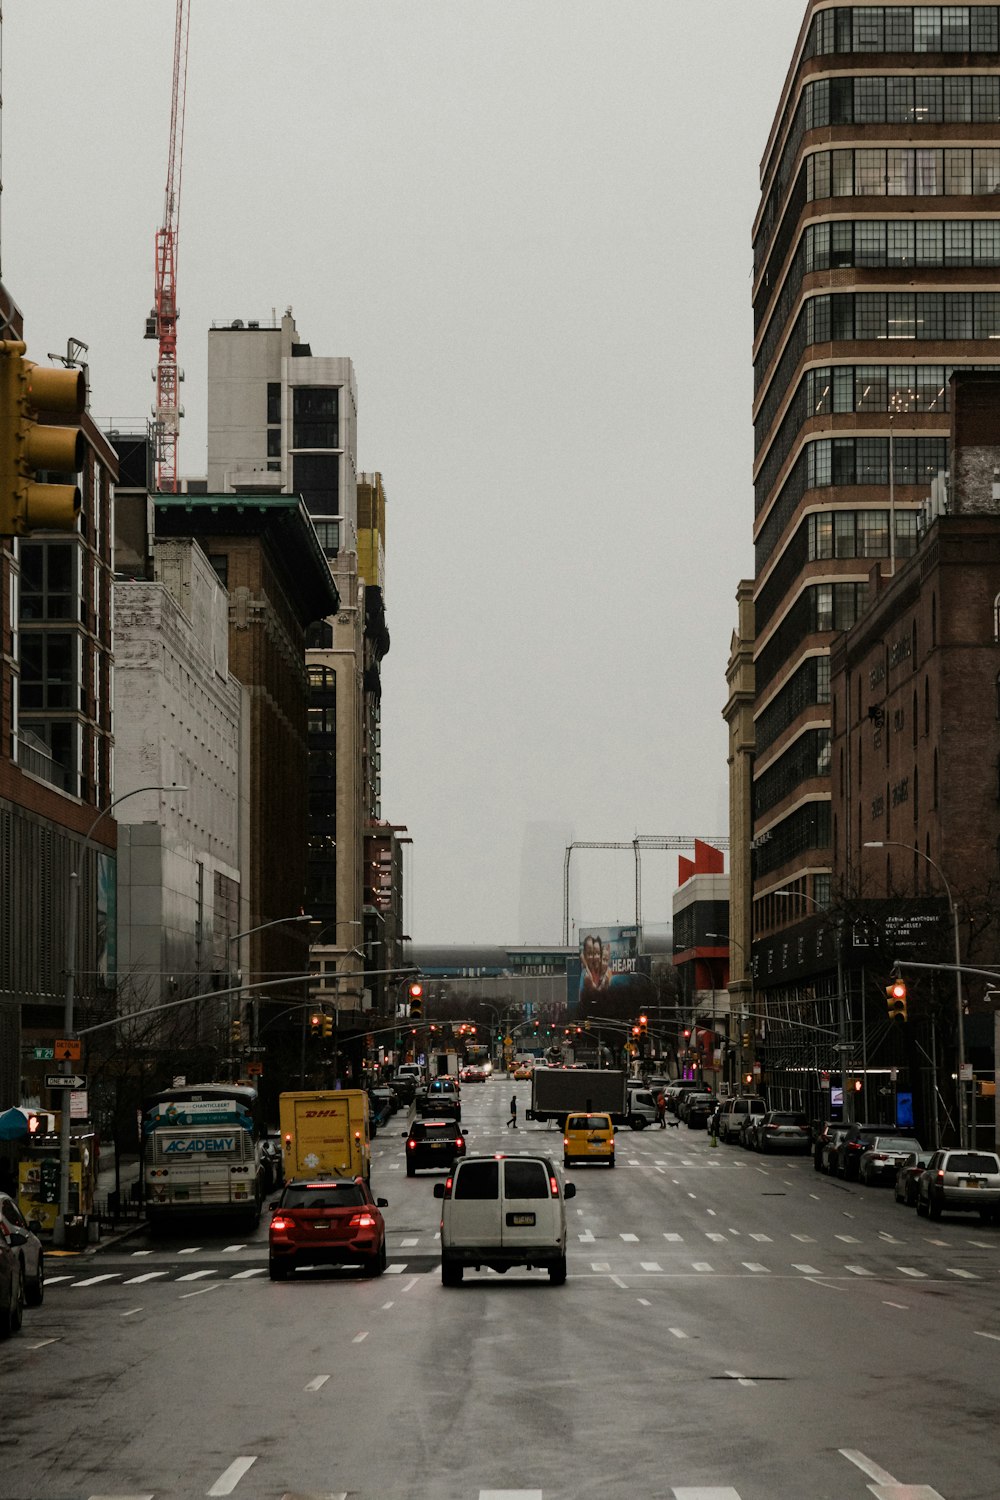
410,1145
566,1141
281,1224
362,1221
940,1177
458,1142
448,1186
554,1185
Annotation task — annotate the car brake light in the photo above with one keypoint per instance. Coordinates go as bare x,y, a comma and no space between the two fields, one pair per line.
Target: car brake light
940,1176
458,1142
280,1223
410,1145
362,1221
554,1184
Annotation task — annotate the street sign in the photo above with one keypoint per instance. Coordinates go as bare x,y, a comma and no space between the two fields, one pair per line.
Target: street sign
42,1054
65,1081
255,1069
67,1049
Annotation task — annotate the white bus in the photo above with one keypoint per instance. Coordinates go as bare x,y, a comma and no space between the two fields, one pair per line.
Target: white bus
201,1153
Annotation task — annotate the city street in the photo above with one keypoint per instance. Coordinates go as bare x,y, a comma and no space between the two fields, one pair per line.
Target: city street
733,1328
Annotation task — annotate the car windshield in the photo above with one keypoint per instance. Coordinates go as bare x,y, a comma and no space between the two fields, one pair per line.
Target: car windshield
588,1122
434,1132
328,1195
786,1119
892,1143
971,1161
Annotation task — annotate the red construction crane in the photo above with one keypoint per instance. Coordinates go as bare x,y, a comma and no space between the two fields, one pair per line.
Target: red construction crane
162,321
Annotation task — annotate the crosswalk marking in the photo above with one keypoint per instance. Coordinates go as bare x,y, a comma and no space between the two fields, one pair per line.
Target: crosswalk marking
93,1280
859,1270
968,1275
804,1239
700,1265
51,1280
848,1239
651,1265
806,1270
196,1275
245,1275
762,1239
912,1271
600,1265
632,1238
191,1250
675,1239
755,1266
406,1243
701,1492
719,1238
149,1276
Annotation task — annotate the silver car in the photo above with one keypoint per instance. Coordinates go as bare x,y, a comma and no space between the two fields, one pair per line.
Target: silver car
961,1182
883,1155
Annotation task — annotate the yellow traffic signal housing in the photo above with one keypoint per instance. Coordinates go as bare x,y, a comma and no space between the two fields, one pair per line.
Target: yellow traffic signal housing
895,995
327,1025
29,446
416,1002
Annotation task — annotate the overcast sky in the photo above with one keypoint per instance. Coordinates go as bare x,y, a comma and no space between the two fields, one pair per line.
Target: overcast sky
528,224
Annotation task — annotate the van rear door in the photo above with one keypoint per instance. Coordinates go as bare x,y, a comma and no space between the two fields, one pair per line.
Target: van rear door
472,1213
529,1213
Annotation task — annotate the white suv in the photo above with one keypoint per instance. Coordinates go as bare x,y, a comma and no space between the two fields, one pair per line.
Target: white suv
734,1112
501,1211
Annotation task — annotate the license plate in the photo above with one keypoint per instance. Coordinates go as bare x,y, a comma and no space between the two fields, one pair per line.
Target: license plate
519,1221
320,1226
972,1182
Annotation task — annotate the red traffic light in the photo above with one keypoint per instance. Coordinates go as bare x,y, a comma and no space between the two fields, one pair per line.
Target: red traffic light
898,990
416,990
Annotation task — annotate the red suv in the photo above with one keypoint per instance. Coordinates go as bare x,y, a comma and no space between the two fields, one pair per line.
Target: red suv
335,1222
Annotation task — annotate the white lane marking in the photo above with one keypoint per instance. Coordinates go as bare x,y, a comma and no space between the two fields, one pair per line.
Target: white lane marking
408,1242
740,1379
651,1265
630,1238
214,1287
711,1211
692,1195
700,1492
937,1242
977,1331
230,1478
848,1239
678,1333
675,1239
814,1195
618,1282
806,1270
600,1265
142,1252
587,1237
890,1239
981,1244
93,1280
411,1283
966,1275
753,1265
510,1495
700,1265
317,1384
245,1275
42,1342
828,1286
359,1338
866,1465
120,1497
228,1249
762,1239
396,1268
196,1276
642,1302
387,1305
191,1250
804,1239
859,1270
131,1312
912,1271
903,1306
133,1280
719,1238
51,1280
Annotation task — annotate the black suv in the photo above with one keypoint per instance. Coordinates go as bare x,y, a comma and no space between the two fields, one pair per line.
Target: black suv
433,1143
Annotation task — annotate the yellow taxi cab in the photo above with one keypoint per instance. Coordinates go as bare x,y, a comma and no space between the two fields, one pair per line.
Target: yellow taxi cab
588,1138
522,1072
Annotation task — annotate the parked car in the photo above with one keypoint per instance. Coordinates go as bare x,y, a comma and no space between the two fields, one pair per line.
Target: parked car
908,1175
22,1236
856,1142
735,1111
502,1211
676,1089
380,1108
778,1130
433,1143
965,1182
882,1158
697,1108
333,1222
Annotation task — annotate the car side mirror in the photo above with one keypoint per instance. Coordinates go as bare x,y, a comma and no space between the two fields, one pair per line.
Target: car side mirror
381,1203
465,1132
274,1204
404,1134
439,1190
569,1191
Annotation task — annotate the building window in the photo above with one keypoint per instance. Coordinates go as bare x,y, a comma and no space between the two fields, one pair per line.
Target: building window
50,588
274,401
328,533
50,671
316,477
315,413
220,563
274,442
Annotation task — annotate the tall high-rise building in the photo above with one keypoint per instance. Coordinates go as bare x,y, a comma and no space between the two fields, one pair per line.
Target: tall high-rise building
876,248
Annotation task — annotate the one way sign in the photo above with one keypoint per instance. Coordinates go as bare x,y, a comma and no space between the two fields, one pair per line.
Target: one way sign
65,1081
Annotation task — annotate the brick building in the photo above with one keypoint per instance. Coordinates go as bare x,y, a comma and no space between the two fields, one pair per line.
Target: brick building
55,763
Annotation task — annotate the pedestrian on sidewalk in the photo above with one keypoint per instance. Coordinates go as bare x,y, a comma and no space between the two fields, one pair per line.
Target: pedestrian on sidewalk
661,1110
513,1112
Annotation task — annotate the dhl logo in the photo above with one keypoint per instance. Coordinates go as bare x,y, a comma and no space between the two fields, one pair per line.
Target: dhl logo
322,1114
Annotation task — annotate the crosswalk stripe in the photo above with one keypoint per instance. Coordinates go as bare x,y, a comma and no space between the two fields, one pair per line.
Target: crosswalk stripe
651,1265
631,1238
806,1270
753,1265
93,1280
149,1276
701,1492
859,1270
763,1239
912,1271
968,1275
600,1265
700,1265
719,1238
804,1239
848,1239
675,1239
51,1280
245,1275
196,1275
396,1267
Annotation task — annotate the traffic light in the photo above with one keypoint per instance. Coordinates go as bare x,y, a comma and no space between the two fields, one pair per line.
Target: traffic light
416,1002
36,1124
31,446
236,1031
895,995
746,1038
315,1023
643,1025
327,1025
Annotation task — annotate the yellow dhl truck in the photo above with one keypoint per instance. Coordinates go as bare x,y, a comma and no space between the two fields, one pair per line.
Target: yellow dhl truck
325,1133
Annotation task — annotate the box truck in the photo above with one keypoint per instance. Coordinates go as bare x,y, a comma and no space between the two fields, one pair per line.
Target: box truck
325,1133
558,1092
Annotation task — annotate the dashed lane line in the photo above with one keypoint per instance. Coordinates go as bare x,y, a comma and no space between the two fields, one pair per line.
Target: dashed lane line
230,1478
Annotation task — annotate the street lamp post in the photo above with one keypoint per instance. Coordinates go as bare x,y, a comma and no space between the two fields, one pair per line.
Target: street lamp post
236,937
963,1129
59,1235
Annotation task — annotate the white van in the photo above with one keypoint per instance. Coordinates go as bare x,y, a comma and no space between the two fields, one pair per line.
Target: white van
734,1112
502,1211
